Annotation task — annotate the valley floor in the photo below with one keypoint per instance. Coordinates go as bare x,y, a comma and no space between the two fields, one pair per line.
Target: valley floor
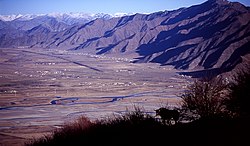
40,90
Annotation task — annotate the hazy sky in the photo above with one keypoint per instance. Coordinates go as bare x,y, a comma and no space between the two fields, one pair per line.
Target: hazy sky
94,6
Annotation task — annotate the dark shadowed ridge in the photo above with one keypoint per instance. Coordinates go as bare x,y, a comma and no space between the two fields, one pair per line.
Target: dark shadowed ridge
210,37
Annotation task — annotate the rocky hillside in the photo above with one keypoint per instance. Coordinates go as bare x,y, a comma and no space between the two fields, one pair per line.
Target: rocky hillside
212,35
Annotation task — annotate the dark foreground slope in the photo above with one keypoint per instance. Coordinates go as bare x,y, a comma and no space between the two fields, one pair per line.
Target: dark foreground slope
212,35
140,129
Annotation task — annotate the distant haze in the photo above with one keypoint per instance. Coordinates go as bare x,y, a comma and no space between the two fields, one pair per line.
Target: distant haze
94,6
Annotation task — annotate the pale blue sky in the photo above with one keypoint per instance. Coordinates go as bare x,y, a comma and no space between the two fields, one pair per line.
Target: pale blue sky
94,6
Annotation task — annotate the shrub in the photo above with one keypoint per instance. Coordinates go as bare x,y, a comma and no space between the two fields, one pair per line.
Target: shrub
205,98
67,134
239,96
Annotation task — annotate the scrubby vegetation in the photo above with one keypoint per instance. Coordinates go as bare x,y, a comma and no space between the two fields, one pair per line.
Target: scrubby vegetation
239,97
205,98
218,114
138,128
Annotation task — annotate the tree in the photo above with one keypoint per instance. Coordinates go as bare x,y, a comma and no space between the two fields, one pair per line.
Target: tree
205,98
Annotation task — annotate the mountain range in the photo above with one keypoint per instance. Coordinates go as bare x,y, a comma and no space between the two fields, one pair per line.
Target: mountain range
68,18
214,35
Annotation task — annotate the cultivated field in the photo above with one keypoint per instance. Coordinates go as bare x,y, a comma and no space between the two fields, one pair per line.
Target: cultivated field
42,89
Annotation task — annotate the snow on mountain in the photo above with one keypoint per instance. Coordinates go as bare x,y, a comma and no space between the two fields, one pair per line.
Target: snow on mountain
122,14
9,17
69,18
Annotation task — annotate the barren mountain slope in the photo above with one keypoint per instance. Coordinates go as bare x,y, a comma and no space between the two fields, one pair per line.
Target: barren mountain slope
212,35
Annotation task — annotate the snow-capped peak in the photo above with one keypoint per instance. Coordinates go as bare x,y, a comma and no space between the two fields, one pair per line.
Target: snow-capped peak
9,17
63,16
19,16
120,14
